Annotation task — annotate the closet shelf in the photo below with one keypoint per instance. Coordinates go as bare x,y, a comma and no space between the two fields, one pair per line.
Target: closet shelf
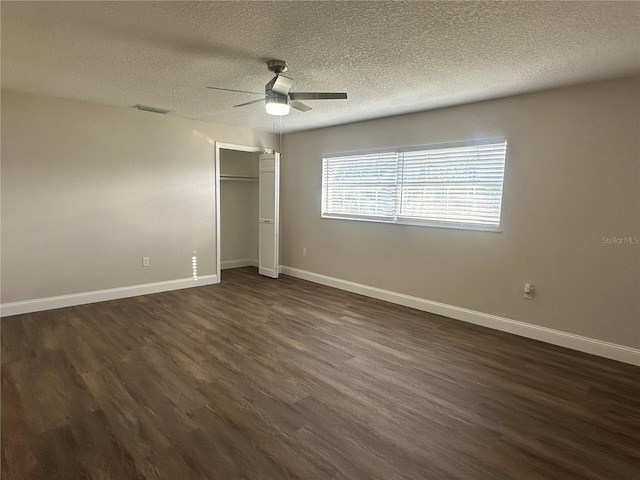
238,178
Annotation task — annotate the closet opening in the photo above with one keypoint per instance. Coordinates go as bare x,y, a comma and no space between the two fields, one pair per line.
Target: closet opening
247,181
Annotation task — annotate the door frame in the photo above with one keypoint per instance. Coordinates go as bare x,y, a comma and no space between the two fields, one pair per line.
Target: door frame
227,146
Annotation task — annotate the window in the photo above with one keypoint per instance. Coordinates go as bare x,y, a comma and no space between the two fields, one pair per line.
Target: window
447,186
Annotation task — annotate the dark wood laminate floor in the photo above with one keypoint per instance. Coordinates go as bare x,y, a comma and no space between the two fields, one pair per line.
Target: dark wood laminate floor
263,379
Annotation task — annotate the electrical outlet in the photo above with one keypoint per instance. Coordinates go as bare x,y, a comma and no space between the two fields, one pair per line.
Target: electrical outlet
304,252
145,261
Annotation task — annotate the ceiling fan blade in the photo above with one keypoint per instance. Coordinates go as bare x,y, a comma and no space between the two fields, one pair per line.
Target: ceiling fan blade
232,90
303,107
249,103
317,96
281,84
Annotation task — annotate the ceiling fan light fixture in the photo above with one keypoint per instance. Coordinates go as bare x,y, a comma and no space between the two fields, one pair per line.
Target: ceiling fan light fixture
277,106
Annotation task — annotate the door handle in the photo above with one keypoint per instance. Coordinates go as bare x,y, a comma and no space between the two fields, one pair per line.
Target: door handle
265,220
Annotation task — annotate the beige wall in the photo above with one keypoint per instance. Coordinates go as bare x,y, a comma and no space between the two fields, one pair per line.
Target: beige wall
238,207
88,190
572,178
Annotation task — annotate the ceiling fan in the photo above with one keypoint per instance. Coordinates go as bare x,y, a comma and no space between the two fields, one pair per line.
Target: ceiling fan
278,99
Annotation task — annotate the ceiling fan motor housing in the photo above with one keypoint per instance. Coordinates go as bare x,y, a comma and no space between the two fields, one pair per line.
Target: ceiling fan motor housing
275,95
279,85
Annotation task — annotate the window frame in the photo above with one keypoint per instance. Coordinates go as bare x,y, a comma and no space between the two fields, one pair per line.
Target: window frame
398,219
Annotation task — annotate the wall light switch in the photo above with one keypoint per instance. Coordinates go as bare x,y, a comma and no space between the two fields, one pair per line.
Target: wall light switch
145,261
528,291
304,252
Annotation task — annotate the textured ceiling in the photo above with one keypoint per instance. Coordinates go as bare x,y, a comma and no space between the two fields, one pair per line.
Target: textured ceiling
391,57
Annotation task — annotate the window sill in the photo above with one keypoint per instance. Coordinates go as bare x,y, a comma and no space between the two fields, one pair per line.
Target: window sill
480,228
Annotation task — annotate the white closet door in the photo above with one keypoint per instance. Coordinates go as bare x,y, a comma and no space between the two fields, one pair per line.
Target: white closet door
269,186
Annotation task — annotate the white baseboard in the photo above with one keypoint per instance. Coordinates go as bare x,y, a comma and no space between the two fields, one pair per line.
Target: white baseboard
49,303
548,335
245,262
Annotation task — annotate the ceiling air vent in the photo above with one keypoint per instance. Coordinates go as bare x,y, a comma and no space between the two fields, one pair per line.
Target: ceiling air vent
152,109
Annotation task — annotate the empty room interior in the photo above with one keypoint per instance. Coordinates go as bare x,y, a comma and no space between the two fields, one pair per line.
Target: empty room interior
320,240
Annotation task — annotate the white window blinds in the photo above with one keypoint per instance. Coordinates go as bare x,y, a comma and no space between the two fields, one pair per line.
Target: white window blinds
360,186
441,186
